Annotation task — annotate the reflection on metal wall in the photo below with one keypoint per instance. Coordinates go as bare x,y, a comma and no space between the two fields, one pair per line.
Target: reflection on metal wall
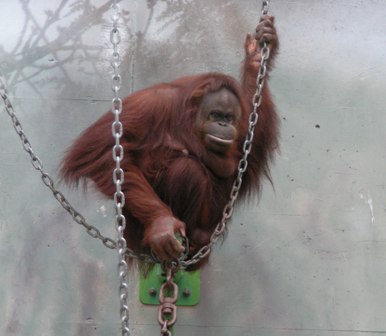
307,260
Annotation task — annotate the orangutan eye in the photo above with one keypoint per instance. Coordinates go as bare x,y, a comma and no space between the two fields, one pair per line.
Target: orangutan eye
229,118
215,115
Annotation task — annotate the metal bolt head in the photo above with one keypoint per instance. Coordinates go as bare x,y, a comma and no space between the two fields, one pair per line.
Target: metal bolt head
186,292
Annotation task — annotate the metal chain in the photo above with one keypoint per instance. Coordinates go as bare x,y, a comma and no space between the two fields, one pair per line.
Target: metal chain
47,180
118,174
265,7
168,295
243,163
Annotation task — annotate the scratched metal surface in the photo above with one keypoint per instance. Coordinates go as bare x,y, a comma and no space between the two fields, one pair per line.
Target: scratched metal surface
309,259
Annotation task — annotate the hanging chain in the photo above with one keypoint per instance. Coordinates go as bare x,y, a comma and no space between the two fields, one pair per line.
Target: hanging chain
243,163
168,295
118,174
47,180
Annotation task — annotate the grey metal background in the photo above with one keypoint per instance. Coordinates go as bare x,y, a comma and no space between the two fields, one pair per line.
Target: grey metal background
309,259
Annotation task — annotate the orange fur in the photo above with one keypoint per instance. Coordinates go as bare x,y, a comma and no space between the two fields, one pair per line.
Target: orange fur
165,162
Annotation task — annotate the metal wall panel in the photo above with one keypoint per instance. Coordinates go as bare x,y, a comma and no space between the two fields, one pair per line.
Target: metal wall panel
309,259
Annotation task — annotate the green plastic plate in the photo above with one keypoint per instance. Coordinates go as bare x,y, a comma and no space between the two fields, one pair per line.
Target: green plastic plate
188,286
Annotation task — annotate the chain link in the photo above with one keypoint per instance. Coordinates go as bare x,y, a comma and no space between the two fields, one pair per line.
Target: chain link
265,7
243,163
118,173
